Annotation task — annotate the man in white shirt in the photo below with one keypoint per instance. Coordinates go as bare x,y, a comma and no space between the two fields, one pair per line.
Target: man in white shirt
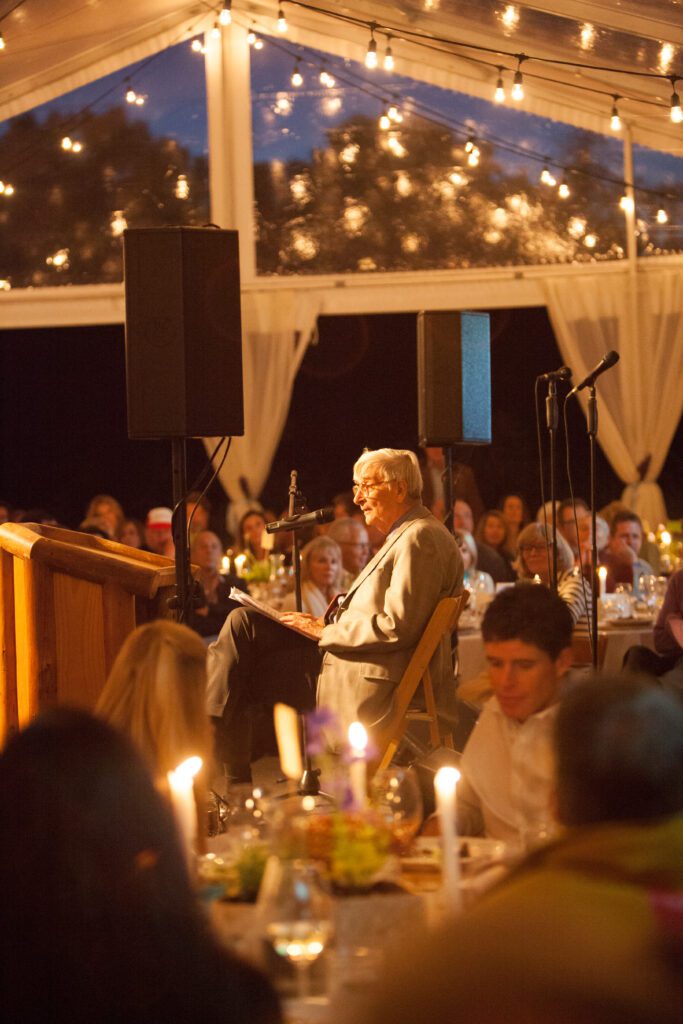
507,784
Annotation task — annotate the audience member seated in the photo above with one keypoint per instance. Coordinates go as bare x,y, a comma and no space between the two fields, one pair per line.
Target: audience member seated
567,525
621,556
433,468
343,506
489,560
100,920
107,512
474,579
197,513
352,537
159,532
666,661
321,577
586,542
94,527
534,559
588,929
507,768
132,533
156,692
214,587
491,537
250,533
516,516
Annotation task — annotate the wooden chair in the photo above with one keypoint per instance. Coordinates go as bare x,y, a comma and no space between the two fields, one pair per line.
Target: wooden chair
444,620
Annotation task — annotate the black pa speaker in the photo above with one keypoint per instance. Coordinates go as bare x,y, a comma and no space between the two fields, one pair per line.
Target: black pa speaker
454,378
183,333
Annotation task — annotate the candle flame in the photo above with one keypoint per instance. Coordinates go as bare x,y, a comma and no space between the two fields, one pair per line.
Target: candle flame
666,537
358,737
445,780
188,769
602,572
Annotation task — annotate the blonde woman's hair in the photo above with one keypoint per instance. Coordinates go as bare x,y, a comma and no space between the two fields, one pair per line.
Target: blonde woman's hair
310,550
392,464
536,532
156,694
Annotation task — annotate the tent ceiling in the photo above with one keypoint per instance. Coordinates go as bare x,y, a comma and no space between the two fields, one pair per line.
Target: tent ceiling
55,46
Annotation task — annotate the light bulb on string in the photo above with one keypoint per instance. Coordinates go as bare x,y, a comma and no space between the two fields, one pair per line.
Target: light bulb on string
517,91
676,113
225,17
131,95
615,120
196,45
251,36
563,190
371,55
67,143
499,94
627,204
139,100
384,121
297,78
258,43
547,178
281,20
394,113
388,56
216,30
662,216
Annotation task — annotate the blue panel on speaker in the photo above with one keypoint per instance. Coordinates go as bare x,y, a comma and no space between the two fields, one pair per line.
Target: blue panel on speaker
476,377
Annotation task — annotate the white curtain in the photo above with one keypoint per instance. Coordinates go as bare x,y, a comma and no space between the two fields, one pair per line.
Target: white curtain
276,329
641,398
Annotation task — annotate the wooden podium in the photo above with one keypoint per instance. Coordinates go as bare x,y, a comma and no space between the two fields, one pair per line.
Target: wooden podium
67,602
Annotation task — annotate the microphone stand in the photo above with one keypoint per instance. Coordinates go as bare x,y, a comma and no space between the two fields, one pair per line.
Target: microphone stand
592,425
552,415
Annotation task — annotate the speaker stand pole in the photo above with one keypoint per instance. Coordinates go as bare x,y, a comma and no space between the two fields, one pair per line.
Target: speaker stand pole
552,416
448,486
592,420
182,601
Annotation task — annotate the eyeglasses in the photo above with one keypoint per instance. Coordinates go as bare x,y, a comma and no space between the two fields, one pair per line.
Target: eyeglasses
367,487
535,547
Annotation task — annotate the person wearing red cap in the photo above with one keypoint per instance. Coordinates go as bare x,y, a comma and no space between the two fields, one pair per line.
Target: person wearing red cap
158,532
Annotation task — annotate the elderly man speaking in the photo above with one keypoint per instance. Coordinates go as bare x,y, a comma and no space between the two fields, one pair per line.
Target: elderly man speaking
367,642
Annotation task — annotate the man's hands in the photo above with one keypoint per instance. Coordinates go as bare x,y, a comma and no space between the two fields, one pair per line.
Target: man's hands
307,623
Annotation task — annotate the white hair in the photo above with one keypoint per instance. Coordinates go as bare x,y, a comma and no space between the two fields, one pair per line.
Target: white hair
392,464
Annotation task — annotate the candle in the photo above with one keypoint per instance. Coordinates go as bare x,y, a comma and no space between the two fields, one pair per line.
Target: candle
602,574
181,786
225,564
536,579
358,741
240,562
445,782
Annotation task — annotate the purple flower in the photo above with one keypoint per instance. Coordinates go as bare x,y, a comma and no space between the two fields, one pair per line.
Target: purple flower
318,723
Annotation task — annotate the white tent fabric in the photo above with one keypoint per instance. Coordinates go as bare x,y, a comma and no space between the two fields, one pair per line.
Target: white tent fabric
640,400
276,330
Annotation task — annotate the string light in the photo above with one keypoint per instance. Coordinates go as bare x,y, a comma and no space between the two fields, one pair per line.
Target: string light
66,142
258,43
225,17
563,190
281,20
394,113
384,121
388,56
371,55
473,152
627,204
6,189
590,241
546,178
198,46
518,81
325,78
182,187
615,120
676,113
216,31
117,223
251,36
297,78
499,94
139,100
662,216
131,95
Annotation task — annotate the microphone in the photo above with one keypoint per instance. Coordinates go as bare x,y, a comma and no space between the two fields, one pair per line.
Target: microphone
607,361
564,373
321,515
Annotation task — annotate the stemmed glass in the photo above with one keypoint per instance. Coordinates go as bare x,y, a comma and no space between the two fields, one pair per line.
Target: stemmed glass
395,795
298,914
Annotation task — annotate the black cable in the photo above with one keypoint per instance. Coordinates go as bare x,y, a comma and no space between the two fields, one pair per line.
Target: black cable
540,474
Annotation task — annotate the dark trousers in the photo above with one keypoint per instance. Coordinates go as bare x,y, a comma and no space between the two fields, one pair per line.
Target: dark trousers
265,663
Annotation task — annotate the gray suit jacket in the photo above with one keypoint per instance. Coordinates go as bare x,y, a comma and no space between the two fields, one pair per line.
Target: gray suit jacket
383,616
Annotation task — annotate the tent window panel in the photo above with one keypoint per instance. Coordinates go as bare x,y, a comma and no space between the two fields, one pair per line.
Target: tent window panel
659,202
346,184
88,164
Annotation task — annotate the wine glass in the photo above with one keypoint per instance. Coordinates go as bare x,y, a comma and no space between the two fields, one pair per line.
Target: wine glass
298,914
395,795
